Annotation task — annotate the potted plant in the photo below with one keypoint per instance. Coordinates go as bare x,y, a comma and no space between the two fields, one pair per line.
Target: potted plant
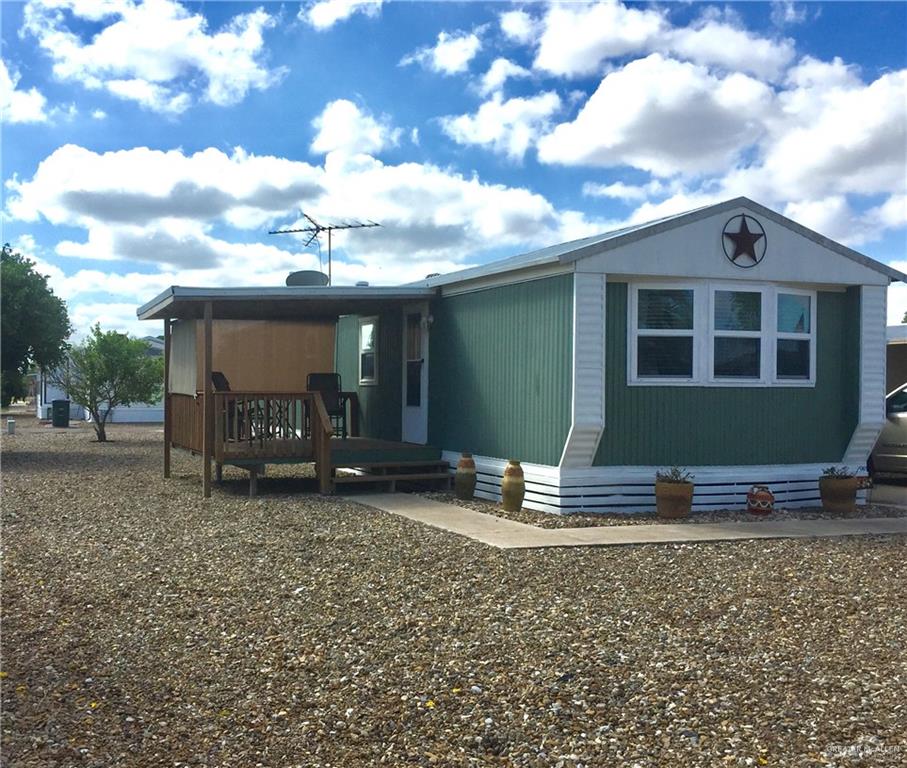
838,489
673,492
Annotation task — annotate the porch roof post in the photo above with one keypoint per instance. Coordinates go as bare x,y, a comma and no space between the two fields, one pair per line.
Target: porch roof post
207,405
168,416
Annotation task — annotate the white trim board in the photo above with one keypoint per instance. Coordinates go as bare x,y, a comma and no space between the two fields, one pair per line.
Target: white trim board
632,489
588,399
873,359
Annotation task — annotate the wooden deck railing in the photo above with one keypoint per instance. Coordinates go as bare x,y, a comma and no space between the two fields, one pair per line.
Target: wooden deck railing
252,426
186,429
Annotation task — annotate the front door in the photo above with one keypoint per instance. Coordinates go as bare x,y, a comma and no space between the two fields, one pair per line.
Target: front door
415,375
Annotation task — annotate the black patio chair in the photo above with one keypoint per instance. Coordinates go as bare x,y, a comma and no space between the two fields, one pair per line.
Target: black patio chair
328,386
221,384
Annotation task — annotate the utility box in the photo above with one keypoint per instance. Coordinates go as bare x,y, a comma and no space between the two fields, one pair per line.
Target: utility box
60,413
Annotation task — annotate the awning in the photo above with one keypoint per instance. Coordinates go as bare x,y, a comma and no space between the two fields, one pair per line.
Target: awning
279,303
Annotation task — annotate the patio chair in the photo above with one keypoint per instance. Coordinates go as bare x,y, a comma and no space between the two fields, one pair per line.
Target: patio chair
220,384
328,386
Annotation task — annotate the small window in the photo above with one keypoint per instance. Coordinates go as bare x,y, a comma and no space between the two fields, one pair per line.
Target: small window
368,350
794,347
664,344
737,343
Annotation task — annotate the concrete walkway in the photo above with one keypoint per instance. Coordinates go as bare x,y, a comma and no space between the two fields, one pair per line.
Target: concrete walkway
509,534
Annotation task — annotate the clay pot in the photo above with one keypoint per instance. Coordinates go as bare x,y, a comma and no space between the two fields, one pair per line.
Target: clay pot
465,480
760,500
673,500
839,494
513,487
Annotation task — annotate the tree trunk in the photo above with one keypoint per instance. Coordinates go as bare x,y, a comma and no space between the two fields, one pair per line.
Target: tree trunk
100,425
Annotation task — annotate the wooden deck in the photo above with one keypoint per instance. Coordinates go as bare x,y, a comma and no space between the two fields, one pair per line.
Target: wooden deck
254,429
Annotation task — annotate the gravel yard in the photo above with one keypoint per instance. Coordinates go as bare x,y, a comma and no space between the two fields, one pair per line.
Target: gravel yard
145,626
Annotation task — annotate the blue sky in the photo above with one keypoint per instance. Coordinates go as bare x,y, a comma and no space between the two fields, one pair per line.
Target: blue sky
145,145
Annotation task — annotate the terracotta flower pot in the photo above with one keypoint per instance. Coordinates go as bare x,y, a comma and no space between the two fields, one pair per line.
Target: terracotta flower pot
513,487
839,494
673,500
760,500
465,480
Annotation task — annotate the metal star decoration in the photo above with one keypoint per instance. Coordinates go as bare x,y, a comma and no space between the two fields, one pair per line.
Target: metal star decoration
744,242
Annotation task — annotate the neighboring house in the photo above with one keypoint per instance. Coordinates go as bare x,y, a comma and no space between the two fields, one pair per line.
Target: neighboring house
896,369
138,413
729,340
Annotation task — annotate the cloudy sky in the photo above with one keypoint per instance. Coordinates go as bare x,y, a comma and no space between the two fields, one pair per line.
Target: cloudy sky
152,144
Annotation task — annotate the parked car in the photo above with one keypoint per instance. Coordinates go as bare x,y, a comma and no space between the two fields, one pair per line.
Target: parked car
890,452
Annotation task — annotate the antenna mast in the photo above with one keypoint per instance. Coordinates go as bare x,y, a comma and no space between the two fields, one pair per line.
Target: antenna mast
316,229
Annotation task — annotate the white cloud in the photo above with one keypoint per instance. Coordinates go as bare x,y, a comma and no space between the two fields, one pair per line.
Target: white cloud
77,187
518,26
507,127
153,53
450,55
326,13
837,135
177,212
18,106
720,43
624,192
673,117
498,73
343,126
99,114
787,12
577,38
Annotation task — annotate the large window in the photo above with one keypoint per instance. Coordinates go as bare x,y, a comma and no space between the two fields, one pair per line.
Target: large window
368,350
721,334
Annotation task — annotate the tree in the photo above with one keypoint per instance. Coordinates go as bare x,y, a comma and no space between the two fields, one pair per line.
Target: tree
110,369
34,325
904,318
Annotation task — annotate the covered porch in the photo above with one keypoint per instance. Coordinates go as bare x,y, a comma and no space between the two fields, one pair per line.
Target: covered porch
236,365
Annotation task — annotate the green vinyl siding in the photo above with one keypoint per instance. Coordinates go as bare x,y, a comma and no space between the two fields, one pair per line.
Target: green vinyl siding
380,403
649,425
500,363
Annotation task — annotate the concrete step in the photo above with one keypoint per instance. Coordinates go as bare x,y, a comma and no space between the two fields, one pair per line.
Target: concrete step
401,476
434,463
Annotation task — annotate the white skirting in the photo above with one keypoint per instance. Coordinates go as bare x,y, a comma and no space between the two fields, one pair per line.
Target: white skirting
632,489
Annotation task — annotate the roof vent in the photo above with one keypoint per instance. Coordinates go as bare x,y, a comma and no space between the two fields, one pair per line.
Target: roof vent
307,277
362,284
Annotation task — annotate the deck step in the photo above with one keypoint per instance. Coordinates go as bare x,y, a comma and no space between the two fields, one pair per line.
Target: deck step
405,477
390,464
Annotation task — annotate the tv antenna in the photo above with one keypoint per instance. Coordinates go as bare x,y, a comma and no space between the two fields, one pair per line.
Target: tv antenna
316,229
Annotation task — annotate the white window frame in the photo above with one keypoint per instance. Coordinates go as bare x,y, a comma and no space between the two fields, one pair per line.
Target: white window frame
636,332
762,334
811,337
704,333
373,320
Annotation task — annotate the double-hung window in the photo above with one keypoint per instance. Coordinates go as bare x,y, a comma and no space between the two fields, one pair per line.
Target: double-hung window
737,335
717,333
665,338
794,350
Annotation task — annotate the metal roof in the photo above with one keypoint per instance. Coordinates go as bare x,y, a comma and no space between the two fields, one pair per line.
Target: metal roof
567,253
278,302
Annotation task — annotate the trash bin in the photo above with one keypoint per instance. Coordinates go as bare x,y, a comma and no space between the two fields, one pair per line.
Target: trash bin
60,413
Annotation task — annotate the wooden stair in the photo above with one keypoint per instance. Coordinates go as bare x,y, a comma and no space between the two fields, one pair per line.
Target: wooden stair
389,473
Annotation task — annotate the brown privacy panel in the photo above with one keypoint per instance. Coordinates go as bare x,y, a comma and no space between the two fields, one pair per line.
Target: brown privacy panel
267,355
